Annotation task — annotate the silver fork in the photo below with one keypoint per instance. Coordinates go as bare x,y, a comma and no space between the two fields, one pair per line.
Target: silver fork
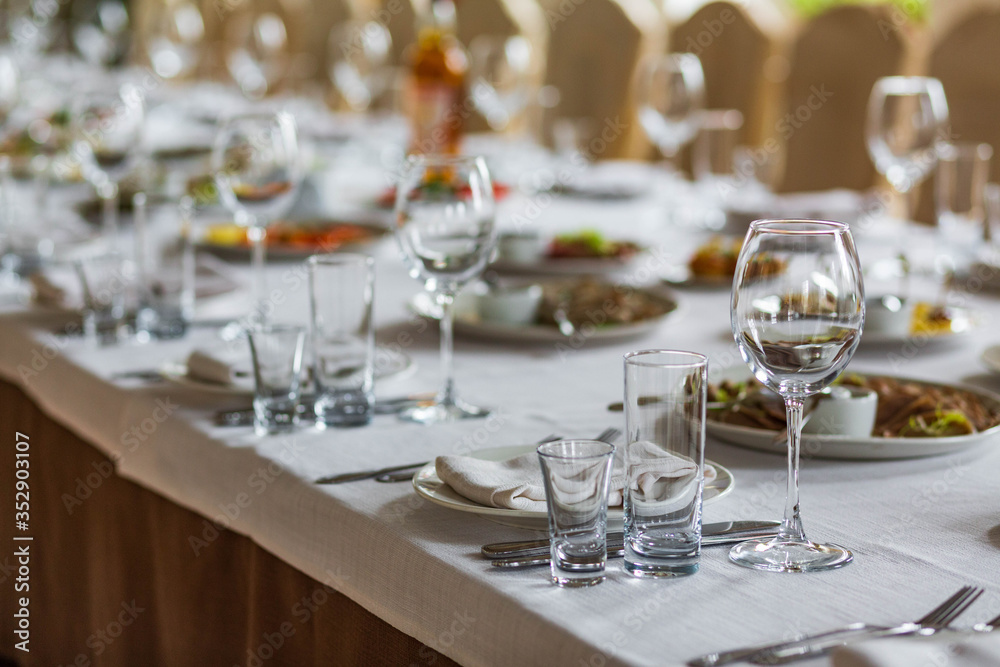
936,620
845,632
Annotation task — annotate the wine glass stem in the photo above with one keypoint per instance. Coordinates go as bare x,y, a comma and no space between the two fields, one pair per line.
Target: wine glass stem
447,394
257,234
109,213
791,526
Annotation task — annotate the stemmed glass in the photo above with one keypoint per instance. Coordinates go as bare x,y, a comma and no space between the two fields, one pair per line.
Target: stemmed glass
259,58
671,93
257,172
359,62
797,314
107,126
176,32
501,78
101,31
445,226
907,120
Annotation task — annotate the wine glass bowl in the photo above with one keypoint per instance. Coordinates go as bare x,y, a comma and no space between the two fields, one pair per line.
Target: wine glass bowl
445,213
259,58
359,62
907,119
176,32
107,125
500,69
798,310
671,93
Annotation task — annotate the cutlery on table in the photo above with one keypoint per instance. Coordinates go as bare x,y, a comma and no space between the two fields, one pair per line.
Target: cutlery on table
606,435
770,653
988,626
529,553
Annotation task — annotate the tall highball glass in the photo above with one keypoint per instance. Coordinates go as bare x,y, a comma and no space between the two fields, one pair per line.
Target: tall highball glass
798,309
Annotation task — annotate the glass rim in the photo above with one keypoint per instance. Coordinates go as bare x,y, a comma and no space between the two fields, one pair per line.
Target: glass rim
774,226
608,448
697,359
335,258
275,328
906,81
443,159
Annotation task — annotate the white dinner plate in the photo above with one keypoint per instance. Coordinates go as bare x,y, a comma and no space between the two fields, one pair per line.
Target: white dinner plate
468,323
853,448
429,485
388,364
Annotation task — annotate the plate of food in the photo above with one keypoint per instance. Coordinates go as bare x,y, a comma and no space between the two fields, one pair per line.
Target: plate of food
387,200
713,265
923,321
913,418
294,239
428,485
587,252
580,310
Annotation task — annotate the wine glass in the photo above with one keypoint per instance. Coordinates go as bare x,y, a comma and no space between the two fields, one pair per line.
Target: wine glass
500,70
907,120
671,93
106,128
101,31
176,33
359,59
445,227
797,314
257,170
259,59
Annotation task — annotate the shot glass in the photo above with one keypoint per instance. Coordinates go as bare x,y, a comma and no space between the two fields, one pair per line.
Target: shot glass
576,474
165,262
276,352
341,288
664,460
106,282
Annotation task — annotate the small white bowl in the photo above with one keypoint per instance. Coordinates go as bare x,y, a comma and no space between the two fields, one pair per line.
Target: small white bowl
510,305
888,316
525,248
843,410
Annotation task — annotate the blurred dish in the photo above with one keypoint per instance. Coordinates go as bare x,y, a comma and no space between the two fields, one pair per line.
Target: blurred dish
387,199
293,239
587,252
928,323
598,311
428,485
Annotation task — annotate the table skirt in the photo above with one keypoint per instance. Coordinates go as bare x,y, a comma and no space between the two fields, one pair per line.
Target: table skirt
119,576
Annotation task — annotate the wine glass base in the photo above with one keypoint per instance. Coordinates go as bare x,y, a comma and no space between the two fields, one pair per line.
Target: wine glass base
785,555
441,413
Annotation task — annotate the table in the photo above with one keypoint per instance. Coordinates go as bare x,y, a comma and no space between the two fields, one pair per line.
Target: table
919,528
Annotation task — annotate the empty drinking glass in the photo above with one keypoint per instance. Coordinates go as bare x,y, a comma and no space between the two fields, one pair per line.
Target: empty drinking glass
577,475
341,288
359,62
165,261
276,352
501,78
715,145
105,281
259,58
175,33
671,93
664,458
959,196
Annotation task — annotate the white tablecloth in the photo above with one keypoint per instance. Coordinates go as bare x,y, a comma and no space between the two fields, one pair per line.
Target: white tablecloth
919,528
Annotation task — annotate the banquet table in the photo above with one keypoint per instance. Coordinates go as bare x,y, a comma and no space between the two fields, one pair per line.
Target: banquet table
222,536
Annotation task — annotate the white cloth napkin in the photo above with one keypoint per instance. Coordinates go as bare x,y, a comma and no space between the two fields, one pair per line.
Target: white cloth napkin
941,650
517,483
210,366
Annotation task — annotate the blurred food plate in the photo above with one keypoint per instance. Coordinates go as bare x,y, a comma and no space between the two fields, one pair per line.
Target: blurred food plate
928,324
429,485
293,240
926,418
599,311
587,252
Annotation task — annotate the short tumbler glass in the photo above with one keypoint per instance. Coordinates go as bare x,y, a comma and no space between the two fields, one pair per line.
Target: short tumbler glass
577,474
664,461
276,352
341,288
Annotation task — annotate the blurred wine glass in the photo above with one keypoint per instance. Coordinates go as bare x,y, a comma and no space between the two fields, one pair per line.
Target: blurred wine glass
33,29
359,62
445,210
101,31
176,34
258,58
10,80
106,129
257,170
500,71
671,94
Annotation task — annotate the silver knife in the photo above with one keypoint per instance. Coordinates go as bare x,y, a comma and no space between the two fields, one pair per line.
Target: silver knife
367,474
536,552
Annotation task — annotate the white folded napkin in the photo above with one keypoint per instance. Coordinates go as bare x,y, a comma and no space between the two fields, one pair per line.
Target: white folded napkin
940,650
517,483
215,367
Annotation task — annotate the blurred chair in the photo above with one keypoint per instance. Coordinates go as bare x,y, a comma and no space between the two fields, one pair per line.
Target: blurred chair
740,48
835,61
594,50
499,19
